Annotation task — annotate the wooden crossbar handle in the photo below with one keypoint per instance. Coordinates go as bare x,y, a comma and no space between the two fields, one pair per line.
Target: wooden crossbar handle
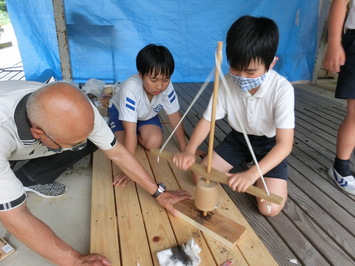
220,177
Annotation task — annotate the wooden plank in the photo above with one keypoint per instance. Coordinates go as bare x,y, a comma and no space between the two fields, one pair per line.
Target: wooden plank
316,183
280,235
338,112
184,231
104,235
158,229
325,121
304,92
214,224
318,136
5,249
305,250
334,114
132,235
324,130
324,244
328,222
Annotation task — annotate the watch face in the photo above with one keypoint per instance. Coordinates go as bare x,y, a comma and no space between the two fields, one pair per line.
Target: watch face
161,187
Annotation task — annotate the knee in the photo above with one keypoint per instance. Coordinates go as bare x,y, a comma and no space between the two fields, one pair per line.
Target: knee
269,212
153,141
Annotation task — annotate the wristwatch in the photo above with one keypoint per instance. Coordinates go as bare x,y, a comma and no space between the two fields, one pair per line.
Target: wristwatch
161,188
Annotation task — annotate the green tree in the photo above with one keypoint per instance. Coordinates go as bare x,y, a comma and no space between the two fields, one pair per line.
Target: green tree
4,17
3,5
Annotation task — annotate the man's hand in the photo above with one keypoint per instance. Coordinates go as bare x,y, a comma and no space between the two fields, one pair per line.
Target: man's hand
92,259
121,180
167,199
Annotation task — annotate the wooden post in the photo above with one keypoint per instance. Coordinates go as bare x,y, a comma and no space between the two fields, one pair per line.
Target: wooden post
214,104
213,114
62,38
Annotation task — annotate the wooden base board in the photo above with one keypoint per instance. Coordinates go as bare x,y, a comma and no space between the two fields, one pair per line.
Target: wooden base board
214,224
5,249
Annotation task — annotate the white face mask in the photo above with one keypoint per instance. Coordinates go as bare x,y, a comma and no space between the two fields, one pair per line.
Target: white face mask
247,84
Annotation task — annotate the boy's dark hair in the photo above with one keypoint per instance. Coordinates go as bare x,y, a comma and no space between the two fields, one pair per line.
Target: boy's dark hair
155,59
251,38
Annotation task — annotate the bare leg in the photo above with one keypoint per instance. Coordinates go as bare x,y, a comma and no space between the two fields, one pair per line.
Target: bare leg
276,186
218,163
150,136
346,133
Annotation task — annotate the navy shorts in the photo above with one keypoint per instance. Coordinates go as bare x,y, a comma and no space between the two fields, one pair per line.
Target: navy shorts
234,150
116,124
345,88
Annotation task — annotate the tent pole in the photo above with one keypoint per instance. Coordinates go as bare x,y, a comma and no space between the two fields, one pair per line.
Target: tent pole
321,37
62,39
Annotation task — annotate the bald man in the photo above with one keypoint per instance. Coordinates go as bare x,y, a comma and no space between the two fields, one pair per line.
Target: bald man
53,126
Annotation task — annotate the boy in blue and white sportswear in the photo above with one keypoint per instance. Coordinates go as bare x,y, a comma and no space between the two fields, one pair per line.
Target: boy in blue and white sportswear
134,109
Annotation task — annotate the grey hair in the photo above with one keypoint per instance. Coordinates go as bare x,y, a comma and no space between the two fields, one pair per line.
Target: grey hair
36,114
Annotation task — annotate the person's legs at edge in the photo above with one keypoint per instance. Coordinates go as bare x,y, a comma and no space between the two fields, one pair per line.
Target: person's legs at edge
341,172
346,133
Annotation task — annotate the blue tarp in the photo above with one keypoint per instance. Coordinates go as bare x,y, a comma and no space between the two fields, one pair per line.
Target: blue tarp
106,35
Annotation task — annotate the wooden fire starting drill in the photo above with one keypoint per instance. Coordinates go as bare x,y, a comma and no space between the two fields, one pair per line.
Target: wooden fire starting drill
206,194
219,227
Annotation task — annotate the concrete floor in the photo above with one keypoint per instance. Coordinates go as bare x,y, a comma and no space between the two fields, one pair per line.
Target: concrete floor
68,216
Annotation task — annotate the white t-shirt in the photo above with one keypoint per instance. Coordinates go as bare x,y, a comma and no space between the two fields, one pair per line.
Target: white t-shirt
271,107
133,104
350,20
17,142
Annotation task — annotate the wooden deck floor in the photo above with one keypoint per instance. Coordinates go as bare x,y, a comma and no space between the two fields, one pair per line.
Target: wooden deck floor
129,227
317,225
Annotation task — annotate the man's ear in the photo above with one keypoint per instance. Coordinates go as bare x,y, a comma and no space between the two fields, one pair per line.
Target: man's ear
37,133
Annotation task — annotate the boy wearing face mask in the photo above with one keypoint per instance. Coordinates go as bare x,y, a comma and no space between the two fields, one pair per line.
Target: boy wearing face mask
264,101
